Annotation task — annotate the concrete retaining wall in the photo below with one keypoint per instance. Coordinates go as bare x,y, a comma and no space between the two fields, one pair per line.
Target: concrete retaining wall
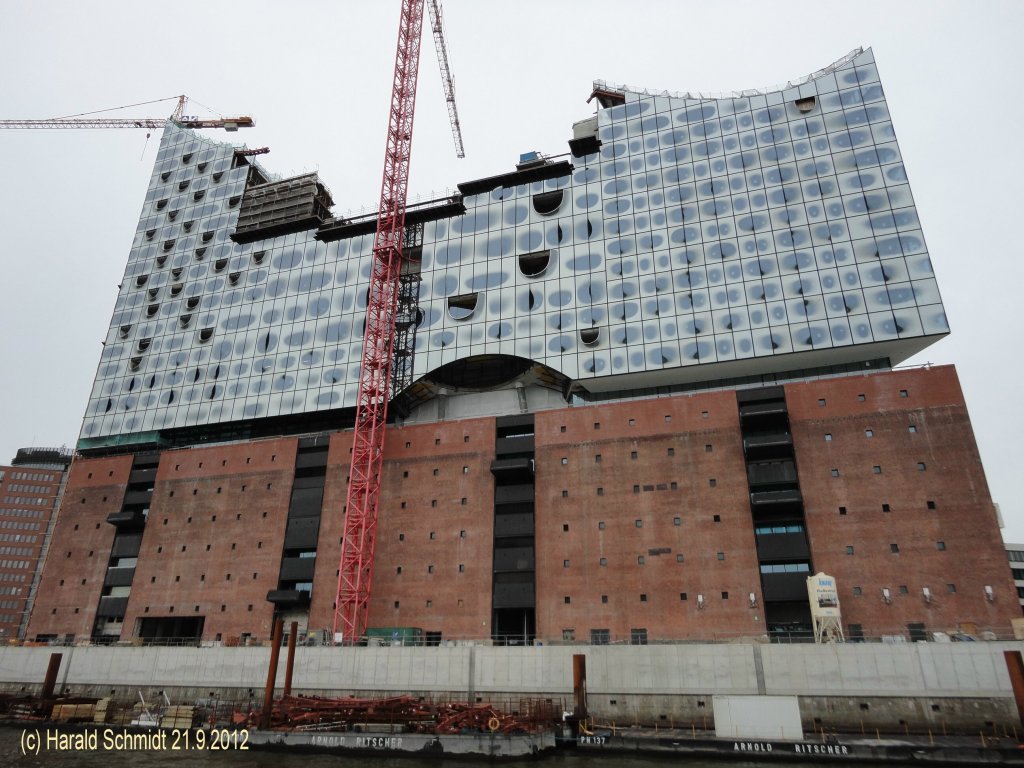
840,685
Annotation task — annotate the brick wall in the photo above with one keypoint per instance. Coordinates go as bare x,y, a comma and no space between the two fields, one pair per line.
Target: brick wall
901,439
69,590
644,480
212,543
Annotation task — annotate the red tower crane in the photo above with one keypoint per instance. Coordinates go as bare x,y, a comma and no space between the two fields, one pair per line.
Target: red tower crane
355,574
178,116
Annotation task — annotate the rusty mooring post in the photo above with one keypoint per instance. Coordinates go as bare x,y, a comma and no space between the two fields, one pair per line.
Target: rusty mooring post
1015,666
50,681
579,686
293,630
268,692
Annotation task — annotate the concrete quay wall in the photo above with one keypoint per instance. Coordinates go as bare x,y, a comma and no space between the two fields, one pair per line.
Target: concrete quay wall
961,686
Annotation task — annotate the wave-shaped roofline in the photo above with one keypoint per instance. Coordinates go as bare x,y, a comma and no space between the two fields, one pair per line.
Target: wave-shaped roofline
603,85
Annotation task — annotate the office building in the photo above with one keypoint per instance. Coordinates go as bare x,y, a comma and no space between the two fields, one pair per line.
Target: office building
30,492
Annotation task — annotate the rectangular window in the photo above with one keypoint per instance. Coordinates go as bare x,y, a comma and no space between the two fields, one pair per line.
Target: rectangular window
597,458
640,560
600,491
565,563
828,437
876,470
903,393
603,562
632,455
638,637
671,451
568,635
894,548
849,550
921,466
638,523
842,510
869,433
911,429
835,472
940,545
600,636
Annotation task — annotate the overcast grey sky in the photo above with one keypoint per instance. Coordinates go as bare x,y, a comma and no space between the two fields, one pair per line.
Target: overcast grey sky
316,77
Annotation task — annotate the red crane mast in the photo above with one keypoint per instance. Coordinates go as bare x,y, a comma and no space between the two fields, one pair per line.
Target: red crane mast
360,529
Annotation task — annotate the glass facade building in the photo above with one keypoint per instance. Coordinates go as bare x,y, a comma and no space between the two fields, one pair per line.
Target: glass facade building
685,239
641,390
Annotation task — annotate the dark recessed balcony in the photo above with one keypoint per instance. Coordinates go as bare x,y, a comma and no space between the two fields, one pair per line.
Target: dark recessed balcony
518,470
762,440
288,597
790,496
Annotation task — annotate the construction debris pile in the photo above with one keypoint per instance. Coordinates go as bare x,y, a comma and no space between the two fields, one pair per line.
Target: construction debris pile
406,714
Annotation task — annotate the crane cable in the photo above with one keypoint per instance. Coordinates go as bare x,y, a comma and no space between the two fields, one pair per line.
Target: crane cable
113,109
